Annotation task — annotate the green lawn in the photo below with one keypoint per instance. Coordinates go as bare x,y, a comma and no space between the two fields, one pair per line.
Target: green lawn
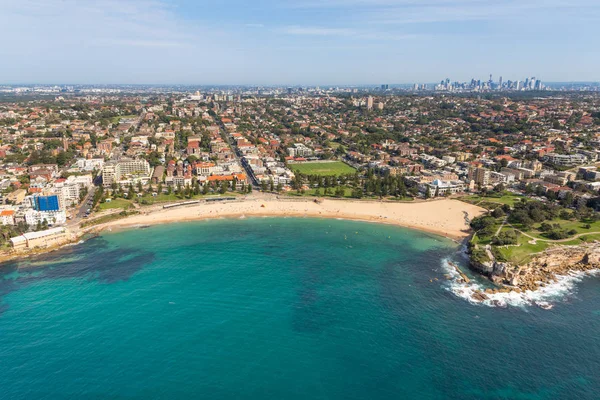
521,254
115,203
480,239
586,238
161,198
564,224
166,198
491,202
332,168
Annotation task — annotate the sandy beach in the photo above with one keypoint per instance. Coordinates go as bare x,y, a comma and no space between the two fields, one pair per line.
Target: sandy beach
443,217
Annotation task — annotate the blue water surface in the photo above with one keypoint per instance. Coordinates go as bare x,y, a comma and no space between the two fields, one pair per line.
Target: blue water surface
273,308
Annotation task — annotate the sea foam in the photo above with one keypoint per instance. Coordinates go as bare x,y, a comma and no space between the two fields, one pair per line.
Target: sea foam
543,297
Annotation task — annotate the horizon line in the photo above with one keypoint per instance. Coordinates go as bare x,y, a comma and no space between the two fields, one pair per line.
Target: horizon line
254,84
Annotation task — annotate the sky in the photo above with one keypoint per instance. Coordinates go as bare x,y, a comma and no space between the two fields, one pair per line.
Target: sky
297,42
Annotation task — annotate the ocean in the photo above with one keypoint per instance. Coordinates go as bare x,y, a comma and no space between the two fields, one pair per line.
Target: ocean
275,308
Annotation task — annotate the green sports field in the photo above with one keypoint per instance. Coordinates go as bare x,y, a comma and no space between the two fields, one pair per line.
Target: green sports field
322,168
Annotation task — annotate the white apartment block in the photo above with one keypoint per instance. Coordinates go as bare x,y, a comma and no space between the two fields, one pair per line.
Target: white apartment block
566,159
33,217
90,164
126,171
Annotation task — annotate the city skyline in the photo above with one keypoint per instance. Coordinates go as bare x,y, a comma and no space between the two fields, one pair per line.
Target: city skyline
334,42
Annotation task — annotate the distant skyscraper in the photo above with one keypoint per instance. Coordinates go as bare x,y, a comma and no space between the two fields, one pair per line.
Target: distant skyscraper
370,103
385,87
500,82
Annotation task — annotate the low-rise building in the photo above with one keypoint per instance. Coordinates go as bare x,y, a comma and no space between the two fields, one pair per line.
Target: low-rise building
442,188
41,239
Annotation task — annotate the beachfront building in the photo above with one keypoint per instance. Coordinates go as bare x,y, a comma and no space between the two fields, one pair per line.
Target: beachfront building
238,179
34,217
439,188
126,171
41,239
44,208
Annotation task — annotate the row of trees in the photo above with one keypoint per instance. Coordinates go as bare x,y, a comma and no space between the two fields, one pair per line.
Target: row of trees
188,191
372,184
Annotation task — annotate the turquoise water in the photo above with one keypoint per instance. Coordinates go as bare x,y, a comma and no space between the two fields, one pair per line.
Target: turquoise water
279,309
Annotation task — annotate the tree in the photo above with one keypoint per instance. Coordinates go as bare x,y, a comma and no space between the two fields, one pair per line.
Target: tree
505,238
529,189
357,193
498,213
481,223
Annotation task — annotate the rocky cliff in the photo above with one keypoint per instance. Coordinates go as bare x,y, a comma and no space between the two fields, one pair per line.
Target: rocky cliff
543,268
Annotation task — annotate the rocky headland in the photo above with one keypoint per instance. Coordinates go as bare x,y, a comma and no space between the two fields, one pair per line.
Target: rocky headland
543,269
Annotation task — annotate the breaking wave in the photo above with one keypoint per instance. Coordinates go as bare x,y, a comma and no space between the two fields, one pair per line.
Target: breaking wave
544,297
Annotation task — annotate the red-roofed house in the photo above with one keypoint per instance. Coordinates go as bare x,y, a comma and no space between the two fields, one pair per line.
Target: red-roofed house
7,217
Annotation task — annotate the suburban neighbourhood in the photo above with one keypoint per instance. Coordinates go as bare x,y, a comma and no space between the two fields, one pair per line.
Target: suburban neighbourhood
71,160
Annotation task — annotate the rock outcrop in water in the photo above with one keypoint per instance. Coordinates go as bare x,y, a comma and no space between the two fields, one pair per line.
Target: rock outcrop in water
542,269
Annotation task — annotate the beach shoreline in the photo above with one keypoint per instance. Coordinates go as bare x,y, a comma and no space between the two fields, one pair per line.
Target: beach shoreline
446,218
